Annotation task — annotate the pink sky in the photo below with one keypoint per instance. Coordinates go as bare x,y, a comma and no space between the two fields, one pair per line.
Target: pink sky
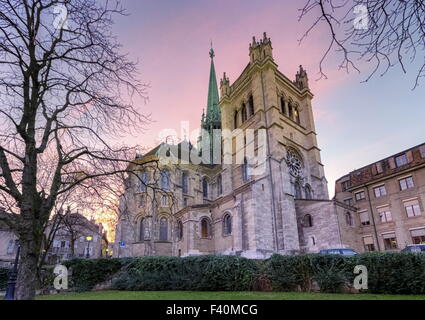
171,39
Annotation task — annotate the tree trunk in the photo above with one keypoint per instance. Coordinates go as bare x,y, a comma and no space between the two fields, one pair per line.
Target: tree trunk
27,282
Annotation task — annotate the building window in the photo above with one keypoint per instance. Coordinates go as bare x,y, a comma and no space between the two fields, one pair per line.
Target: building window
298,192
283,105
143,181
163,229
401,160
142,230
308,192
349,202
349,219
165,180
185,182
251,105
245,167
369,246
205,228
290,110
364,218
308,221
205,188
227,225
294,163
380,191
385,214
390,241
185,202
179,231
346,185
360,196
244,113
422,150
297,116
412,208
379,168
164,201
406,183
219,184
418,236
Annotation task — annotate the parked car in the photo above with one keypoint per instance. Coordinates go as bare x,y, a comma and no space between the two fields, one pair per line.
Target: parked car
414,248
341,252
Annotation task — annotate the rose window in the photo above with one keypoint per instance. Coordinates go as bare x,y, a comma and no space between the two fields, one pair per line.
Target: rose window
294,163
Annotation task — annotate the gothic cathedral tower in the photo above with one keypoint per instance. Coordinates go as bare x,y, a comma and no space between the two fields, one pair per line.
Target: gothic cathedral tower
264,98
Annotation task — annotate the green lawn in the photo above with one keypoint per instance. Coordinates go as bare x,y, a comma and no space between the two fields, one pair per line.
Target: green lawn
187,295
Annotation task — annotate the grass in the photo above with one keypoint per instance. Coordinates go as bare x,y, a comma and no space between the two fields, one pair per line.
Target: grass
188,295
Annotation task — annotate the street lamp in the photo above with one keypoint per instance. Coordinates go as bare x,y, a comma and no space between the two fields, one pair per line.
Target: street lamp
88,239
11,284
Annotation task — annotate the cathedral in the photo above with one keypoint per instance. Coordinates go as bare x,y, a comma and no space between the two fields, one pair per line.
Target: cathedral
215,198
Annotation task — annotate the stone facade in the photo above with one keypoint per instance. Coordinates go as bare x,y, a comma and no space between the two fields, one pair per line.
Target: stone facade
249,207
389,198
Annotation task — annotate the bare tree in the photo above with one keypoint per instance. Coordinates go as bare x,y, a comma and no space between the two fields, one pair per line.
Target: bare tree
66,93
382,33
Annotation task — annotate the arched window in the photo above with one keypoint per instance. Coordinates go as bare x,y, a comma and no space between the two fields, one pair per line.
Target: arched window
298,192
219,185
205,228
251,105
294,162
290,110
143,181
227,225
244,113
185,182
205,188
236,119
283,105
179,230
245,167
308,192
308,221
349,218
297,116
163,229
165,180
142,231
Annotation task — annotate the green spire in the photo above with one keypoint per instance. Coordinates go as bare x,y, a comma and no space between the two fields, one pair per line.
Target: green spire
213,118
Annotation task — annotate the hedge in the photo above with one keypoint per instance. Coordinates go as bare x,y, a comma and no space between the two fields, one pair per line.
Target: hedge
389,273
86,274
204,273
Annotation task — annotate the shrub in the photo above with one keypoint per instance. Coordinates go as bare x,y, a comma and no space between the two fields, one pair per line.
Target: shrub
88,273
394,273
389,273
332,273
204,273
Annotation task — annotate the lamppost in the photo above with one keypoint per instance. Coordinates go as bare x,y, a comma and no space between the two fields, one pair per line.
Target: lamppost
11,284
88,239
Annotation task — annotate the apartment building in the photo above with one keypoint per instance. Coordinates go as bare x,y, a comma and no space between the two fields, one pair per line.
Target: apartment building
389,196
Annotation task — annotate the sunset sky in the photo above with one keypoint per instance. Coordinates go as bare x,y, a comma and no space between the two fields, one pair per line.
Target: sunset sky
357,123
